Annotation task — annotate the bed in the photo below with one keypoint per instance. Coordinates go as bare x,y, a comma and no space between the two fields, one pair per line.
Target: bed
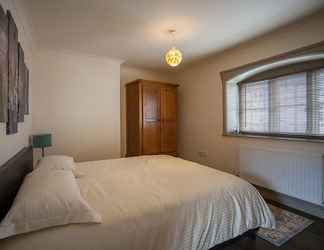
155,202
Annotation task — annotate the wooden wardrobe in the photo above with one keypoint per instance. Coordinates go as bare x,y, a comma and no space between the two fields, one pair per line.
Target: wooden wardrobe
151,116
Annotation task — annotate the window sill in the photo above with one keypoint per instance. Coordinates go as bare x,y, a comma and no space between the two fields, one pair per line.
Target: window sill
273,137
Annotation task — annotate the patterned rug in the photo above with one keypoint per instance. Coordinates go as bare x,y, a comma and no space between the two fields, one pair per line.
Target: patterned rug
288,225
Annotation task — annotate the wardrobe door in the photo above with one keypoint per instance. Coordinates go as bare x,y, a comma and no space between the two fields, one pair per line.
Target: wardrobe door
169,120
151,133
133,120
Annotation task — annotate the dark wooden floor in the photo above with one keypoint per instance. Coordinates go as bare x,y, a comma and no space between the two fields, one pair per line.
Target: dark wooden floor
312,238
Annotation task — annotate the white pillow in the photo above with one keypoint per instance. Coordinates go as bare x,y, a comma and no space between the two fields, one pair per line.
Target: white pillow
59,162
47,198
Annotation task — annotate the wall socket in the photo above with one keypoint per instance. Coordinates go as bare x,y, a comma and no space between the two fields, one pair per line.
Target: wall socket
202,154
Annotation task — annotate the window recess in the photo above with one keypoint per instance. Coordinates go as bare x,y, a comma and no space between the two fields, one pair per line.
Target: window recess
280,97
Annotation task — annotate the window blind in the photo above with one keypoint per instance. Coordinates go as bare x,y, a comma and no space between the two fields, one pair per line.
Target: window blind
290,105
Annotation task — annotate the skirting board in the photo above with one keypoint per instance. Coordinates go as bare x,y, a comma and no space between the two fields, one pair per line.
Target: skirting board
292,202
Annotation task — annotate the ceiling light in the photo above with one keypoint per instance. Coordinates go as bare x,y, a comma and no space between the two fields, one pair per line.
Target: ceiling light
174,56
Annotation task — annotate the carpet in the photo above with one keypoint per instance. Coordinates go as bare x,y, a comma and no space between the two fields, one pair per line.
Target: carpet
288,225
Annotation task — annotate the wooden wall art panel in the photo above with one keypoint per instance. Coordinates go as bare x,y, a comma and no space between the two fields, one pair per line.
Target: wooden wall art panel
3,66
12,123
21,84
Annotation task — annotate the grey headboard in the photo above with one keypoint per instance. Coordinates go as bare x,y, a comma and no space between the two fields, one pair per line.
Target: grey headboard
12,174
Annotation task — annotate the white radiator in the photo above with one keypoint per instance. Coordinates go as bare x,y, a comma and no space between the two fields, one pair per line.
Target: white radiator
297,174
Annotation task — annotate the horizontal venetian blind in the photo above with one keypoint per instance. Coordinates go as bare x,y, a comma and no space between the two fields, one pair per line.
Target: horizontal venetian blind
287,105
316,97
254,107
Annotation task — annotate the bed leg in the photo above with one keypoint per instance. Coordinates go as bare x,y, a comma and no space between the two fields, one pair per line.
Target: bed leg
253,233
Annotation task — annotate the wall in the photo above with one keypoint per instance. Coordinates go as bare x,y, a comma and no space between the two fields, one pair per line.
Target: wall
76,97
12,144
128,74
200,96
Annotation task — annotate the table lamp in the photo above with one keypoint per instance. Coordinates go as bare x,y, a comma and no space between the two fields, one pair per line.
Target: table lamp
42,141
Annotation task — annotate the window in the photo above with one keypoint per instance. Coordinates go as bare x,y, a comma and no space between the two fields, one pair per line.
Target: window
278,97
286,106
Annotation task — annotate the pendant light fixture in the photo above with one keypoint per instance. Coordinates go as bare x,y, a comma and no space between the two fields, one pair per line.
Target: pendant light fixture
174,56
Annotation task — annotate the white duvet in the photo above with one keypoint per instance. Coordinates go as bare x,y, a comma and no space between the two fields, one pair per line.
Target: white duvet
155,203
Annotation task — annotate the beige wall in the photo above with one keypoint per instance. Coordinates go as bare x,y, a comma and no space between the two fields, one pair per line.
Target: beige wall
76,97
128,74
200,96
11,144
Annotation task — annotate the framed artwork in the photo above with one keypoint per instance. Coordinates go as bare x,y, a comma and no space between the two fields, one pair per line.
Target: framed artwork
14,75
21,84
3,66
12,121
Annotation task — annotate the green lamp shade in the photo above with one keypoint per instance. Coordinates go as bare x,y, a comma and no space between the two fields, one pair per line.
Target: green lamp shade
42,141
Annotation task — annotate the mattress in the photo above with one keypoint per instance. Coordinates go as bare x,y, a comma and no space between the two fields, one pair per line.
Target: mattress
155,203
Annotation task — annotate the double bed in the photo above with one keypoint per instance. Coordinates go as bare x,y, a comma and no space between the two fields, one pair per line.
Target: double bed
157,203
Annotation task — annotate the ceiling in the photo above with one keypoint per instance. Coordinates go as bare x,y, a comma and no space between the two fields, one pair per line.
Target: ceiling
136,30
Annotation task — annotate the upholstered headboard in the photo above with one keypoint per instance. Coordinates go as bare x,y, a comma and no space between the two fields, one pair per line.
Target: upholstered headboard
12,174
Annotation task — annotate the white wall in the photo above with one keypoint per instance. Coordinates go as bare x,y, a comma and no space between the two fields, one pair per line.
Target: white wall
200,96
128,74
76,97
12,144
